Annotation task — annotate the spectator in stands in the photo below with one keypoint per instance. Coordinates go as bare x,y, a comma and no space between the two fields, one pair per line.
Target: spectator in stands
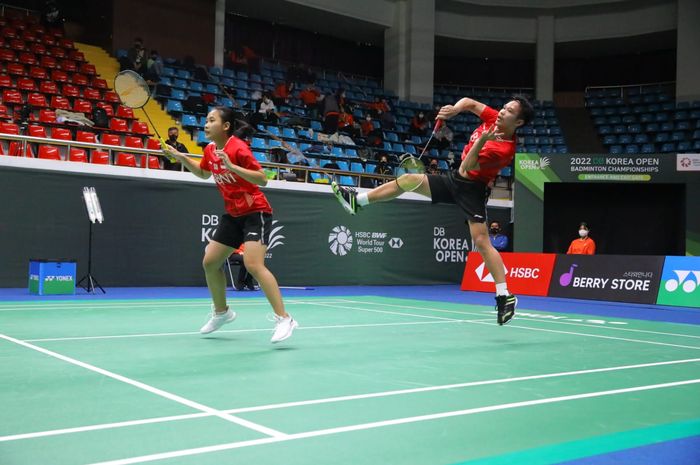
433,167
282,92
387,119
373,136
154,67
419,125
267,111
347,125
384,168
331,111
173,134
499,241
584,245
310,97
367,125
51,16
237,60
136,57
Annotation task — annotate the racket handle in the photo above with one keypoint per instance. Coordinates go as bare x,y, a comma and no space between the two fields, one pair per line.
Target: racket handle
438,125
162,146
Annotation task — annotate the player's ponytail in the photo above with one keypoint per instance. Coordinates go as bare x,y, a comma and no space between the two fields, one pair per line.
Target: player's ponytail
244,131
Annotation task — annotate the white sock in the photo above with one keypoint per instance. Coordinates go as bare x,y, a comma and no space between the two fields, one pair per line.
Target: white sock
502,289
362,199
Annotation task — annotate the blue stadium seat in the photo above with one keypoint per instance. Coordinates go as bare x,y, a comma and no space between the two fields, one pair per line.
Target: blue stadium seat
685,146
631,149
343,165
348,181
316,126
641,139
260,157
177,94
625,139
258,143
351,153
678,136
338,152
668,147
174,106
201,138
610,139
274,130
648,148
189,121
398,148
289,133
616,149
197,86
356,167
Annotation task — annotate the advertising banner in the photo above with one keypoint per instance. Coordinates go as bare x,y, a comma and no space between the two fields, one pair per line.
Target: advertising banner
680,282
526,273
621,278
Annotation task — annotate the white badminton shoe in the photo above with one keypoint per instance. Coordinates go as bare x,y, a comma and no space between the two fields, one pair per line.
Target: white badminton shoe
217,320
284,327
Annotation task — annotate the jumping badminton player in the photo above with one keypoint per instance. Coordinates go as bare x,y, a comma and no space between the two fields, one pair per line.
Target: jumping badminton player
248,217
491,147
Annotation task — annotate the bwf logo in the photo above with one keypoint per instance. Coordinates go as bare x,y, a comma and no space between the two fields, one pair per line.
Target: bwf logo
340,240
682,280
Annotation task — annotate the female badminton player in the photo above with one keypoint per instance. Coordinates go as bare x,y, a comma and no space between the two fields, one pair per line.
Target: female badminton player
248,217
490,148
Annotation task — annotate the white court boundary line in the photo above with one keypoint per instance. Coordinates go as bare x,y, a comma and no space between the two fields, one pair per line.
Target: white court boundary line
197,333
86,305
525,318
380,424
153,390
511,325
341,399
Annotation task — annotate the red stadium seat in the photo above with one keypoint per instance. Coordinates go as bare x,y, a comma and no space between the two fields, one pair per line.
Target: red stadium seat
77,155
69,90
37,131
69,66
47,116
126,159
99,157
58,76
58,52
61,134
152,144
48,40
76,55
3,111
36,99
117,124
12,96
6,81
9,32
85,136
125,112
99,83
58,102
153,162
27,58
9,128
15,69
107,107
83,106
7,55
18,149
38,49
26,84
66,43
111,139
111,97
36,72
139,127
47,61
91,94
17,44
80,80
89,69
48,152
48,87
133,141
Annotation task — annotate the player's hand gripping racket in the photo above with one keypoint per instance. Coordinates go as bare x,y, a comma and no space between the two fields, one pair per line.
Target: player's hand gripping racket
410,164
134,93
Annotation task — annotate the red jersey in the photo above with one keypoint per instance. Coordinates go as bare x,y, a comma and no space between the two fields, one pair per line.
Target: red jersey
494,155
240,196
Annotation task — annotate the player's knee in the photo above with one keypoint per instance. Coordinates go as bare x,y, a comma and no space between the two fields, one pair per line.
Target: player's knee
254,267
210,263
481,241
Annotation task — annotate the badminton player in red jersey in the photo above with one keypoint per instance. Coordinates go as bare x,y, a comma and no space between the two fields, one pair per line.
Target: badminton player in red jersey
490,148
248,217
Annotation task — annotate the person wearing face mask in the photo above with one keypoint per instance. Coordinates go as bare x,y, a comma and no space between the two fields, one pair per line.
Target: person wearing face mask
584,245
172,141
267,111
419,125
498,241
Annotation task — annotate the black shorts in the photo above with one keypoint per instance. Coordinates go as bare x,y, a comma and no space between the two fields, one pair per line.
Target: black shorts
235,230
470,196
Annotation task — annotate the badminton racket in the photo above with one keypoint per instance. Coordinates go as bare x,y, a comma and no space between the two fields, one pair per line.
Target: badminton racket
133,91
410,164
